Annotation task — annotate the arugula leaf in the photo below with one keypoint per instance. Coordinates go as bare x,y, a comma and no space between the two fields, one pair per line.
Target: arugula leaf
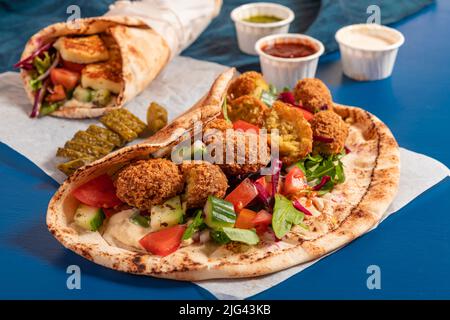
241,235
269,97
284,216
48,108
194,226
43,64
35,84
316,166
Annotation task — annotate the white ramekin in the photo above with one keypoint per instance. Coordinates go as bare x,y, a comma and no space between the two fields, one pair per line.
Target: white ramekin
249,32
285,72
364,63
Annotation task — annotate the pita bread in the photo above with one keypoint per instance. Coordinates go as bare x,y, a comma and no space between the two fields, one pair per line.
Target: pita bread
144,54
350,210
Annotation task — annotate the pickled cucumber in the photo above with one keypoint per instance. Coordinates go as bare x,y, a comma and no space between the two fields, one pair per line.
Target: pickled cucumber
118,127
156,117
83,136
70,154
69,167
94,151
105,134
137,123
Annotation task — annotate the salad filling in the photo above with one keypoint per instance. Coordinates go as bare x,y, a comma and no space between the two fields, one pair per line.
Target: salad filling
74,71
158,205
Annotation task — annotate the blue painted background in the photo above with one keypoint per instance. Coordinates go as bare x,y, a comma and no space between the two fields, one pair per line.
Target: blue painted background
412,247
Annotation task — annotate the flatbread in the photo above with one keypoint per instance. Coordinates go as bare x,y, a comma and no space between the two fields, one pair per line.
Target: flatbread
144,54
351,209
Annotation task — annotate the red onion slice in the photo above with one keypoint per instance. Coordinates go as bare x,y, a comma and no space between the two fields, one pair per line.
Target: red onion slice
297,205
322,182
28,60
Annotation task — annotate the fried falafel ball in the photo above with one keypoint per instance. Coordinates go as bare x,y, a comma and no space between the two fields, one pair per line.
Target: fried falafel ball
145,183
313,94
236,152
249,83
328,125
295,134
203,179
247,108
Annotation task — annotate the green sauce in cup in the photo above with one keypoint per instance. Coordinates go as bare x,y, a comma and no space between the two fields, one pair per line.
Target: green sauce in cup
262,19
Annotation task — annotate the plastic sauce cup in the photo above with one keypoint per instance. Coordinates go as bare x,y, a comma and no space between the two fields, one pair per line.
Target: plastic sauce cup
285,72
368,51
250,32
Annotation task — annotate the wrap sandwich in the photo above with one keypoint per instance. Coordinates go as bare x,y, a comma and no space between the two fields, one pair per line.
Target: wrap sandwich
85,67
145,210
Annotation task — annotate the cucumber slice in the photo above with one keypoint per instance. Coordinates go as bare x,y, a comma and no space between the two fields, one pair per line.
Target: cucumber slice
140,220
219,213
101,97
89,218
82,94
168,214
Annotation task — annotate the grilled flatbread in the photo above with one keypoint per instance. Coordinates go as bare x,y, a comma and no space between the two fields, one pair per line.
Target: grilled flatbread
351,209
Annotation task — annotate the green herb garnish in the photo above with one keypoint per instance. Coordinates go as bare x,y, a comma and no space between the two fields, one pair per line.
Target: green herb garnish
194,226
284,216
315,167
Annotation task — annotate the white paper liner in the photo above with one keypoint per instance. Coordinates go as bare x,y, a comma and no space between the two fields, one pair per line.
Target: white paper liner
38,139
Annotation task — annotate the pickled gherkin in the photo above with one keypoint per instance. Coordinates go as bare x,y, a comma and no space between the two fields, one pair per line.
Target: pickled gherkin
156,117
94,151
105,134
71,154
118,127
69,167
83,136
137,123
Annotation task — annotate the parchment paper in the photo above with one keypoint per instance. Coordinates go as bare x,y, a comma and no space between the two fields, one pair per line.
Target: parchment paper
179,86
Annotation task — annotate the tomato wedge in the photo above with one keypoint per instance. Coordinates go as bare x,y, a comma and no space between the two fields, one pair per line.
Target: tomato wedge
98,192
294,181
163,242
57,95
72,66
245,219
68,79
245,126
306,114
262,221
266,182
242,195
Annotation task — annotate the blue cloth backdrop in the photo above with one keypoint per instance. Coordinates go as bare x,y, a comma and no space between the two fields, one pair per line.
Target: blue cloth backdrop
21,19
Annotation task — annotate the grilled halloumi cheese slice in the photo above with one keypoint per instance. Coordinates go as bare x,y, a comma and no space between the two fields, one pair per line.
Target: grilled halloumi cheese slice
105,75
86,49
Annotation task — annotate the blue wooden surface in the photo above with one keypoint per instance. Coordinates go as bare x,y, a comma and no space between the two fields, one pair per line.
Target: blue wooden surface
411,247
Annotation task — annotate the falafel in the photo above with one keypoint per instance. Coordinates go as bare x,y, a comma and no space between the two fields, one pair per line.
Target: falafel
329,133
202,180
249,83
294,132
313,95
247,108
239,152
145,183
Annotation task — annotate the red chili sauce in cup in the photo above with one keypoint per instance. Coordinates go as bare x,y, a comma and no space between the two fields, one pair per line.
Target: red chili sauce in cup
290,49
